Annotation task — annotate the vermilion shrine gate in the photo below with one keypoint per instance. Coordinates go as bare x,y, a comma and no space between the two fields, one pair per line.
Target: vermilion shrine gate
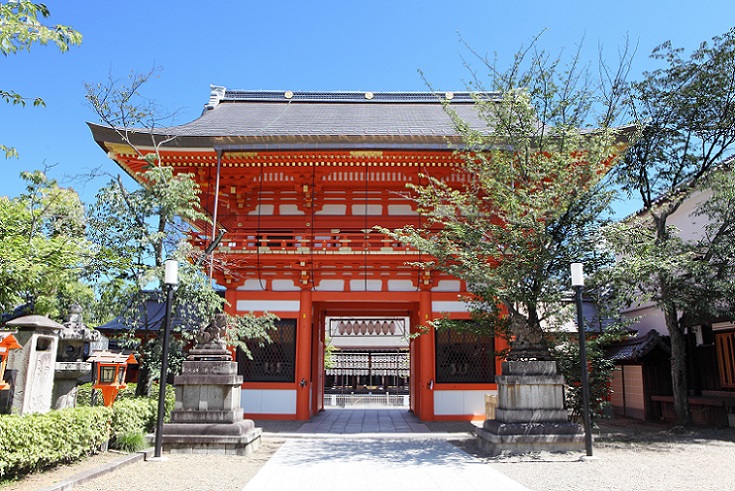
297,181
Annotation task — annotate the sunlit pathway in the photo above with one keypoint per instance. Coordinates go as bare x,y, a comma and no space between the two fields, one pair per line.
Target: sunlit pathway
376,464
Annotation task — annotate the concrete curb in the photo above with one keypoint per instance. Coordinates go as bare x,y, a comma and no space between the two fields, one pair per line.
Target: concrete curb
368,436
90,474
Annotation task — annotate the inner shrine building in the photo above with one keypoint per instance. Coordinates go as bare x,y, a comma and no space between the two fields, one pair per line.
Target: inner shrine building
297,181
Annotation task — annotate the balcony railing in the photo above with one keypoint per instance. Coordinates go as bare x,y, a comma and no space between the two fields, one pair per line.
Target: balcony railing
318,242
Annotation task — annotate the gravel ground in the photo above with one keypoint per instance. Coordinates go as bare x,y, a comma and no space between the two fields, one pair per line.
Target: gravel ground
182,472
629,456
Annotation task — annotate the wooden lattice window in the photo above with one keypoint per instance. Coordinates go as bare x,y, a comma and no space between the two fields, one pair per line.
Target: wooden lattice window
464,358
725,344
274,361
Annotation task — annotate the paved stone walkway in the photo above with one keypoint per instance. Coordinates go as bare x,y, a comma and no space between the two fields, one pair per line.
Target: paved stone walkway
405,464
373,449
363,421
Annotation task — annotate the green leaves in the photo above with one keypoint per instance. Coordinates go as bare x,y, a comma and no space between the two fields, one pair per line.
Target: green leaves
43,249
535,189
686,115
36,441
686,128
20,29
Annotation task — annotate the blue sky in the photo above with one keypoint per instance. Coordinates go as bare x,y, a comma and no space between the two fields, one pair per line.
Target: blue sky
299,45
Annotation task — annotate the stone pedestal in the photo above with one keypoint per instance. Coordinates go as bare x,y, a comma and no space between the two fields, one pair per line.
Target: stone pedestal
207,417
66,379
530,416
34,363
76,342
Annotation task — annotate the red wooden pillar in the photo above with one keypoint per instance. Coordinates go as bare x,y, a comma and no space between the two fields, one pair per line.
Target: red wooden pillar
303,356
231,301
230,307
317,369
425,374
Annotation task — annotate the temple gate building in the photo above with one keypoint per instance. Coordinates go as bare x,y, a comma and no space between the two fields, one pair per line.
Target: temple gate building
297,182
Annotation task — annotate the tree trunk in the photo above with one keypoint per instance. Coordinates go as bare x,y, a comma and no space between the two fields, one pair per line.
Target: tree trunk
678,366
143,389
529,342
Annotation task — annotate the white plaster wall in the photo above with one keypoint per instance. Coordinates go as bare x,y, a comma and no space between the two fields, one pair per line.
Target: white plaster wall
447,286
442,306
251,285
331,285
289,210
401,286
372,285
650,317
332,210
284,286
691,227
268,401
401,210
373,210
268,305
262,210
456,402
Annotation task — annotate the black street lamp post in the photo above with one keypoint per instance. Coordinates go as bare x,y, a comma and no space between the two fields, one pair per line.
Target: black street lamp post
578,284
170,281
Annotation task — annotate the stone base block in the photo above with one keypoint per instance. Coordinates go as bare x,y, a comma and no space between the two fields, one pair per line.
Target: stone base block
209,417
496,438
531,415
240,438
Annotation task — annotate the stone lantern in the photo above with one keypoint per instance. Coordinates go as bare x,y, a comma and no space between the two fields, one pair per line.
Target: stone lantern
33,365
76,342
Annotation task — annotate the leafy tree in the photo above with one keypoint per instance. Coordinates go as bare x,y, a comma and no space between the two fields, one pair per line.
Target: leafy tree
44,252
600,371
138,228
535,191
21,28
136,231
686,126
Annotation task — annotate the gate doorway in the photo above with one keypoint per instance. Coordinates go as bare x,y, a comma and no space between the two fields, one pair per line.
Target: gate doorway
366,362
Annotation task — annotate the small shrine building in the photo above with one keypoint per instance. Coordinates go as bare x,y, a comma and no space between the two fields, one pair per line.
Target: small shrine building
297,181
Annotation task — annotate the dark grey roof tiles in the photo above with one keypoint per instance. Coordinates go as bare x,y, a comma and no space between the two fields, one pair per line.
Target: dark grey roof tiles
636,348
270,119
299,118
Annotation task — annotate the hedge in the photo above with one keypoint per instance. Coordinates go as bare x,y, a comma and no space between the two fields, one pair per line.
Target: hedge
35,441
84,394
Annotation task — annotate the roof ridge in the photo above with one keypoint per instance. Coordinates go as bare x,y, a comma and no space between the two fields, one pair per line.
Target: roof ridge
220,94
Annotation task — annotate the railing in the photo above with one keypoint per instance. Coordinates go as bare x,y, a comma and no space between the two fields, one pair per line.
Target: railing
314,242
366,400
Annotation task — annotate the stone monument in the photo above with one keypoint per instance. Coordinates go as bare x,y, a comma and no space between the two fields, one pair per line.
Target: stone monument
207,416
76,342
33,364
530,416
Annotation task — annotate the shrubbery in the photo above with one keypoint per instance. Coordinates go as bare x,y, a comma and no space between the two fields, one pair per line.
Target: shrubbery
132,416
36,441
